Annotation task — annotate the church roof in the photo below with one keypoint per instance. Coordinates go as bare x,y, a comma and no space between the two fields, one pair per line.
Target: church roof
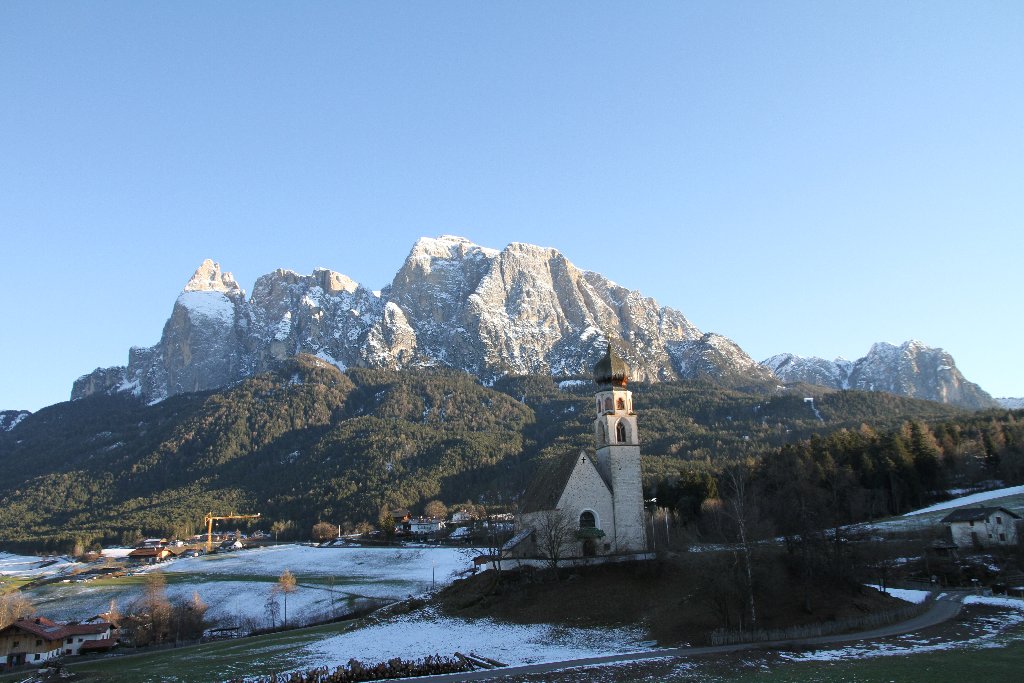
611,369
550,480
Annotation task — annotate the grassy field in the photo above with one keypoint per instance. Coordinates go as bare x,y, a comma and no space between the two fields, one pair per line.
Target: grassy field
992,665
218,661
277,652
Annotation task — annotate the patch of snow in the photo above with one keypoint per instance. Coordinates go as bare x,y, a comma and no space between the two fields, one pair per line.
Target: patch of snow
417,635
1015,603
203,306
34,567
969,500
568,383
905,594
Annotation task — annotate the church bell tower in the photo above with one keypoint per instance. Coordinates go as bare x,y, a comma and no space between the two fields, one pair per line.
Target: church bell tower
618,451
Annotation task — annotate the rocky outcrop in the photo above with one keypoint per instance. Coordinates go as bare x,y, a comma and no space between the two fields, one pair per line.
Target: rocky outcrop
911,369
719,359
9,419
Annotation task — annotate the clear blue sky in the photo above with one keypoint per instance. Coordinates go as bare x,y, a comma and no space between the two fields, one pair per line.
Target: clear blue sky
799,176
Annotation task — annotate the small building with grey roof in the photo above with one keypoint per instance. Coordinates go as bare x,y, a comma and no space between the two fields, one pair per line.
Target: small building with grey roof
982,527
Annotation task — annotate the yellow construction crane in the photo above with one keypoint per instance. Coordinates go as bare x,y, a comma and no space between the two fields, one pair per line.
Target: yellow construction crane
209,519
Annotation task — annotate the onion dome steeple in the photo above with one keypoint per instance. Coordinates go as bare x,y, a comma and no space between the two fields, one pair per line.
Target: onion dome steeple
611,370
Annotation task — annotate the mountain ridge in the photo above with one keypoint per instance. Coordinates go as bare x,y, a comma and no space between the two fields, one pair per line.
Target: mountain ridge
521,310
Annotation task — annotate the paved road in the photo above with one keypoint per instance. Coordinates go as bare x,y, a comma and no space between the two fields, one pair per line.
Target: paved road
945,607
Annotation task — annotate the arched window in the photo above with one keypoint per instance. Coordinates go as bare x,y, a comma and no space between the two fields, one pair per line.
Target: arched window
587,520
620,404
620,433
602,434
608,403
599,405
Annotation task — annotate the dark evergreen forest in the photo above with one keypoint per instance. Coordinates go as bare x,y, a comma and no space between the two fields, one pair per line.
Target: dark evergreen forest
308,443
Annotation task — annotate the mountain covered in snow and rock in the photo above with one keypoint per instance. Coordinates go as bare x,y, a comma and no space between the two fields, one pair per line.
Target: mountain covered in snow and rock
520,310
910,369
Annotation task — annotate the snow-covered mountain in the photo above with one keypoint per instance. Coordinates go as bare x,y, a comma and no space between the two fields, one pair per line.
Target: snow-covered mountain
522,310
910,369
1011,403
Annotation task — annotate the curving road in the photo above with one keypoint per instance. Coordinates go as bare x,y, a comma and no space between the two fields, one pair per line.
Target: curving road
943,608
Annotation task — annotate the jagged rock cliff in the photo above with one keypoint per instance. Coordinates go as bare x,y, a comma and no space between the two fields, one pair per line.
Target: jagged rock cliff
522,310
911,369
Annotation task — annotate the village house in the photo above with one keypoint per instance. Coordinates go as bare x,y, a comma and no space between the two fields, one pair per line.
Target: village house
590,504
982,527
149,555
423,526
462,516
36,640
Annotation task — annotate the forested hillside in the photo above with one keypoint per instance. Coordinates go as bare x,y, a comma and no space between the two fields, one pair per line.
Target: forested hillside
307,443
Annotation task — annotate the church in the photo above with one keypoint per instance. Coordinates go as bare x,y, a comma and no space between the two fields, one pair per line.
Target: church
589,505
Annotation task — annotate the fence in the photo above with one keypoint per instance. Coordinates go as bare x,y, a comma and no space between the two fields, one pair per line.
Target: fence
723,636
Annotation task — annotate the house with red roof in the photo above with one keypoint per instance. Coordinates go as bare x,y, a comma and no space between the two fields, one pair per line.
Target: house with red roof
36,640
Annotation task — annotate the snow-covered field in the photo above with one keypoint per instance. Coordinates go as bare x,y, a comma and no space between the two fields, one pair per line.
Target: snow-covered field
427,632
33,567
236,586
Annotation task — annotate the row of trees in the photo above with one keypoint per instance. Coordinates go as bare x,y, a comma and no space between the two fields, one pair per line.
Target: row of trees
154,618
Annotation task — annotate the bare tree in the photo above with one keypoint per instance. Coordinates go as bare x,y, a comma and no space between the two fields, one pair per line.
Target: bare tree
555,534
13,605
273,608
739,507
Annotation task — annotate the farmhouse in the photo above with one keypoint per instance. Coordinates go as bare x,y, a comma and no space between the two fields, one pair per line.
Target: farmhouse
982,527
149,554
590,504
36,640
421,526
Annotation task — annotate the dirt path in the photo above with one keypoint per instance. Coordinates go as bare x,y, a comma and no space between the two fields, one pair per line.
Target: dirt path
945,607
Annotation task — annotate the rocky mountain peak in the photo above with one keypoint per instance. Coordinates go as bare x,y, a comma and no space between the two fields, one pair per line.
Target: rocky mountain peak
911,369
209,278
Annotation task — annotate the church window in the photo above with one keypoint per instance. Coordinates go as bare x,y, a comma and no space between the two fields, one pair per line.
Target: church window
599,405
602,434
620,433
587,520
620,404
608,403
